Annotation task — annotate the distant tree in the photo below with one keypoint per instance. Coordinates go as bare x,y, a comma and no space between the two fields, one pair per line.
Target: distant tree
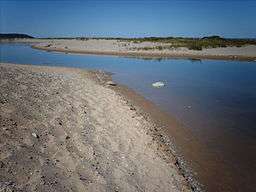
14,36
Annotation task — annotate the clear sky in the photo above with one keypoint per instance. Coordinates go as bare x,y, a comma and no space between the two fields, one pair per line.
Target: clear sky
229,18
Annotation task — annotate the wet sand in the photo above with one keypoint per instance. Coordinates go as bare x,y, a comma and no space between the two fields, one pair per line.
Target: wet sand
66,129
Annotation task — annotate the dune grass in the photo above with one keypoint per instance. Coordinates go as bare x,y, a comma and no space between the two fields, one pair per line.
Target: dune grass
194,43
190,43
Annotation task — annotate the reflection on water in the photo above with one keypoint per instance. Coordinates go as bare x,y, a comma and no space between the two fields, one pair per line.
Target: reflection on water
215,100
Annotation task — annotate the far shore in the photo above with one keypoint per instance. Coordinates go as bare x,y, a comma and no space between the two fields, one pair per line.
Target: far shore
138,49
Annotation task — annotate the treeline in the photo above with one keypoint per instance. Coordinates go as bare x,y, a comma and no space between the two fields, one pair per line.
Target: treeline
14,36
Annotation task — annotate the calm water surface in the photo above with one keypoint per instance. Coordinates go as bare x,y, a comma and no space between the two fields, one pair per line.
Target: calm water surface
215,100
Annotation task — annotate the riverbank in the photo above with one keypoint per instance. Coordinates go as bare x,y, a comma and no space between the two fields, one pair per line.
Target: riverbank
67,129
140,49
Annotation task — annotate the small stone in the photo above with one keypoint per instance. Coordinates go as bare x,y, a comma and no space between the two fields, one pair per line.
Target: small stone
35,135
111,83
67,137
83,178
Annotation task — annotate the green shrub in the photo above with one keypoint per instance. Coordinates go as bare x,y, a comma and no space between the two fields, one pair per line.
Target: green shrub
195,46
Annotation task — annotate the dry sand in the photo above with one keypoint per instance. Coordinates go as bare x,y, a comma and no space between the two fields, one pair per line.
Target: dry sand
64,130
117,47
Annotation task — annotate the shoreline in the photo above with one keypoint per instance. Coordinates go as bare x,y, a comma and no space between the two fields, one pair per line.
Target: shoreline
167,131
151,54
144,110
131,49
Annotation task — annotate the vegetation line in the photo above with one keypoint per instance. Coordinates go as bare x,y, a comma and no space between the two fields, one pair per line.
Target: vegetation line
163,42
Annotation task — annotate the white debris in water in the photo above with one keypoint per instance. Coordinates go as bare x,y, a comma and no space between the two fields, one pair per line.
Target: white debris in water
188,107
158,84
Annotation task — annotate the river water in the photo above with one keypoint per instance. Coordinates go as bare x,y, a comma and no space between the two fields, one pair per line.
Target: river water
214,100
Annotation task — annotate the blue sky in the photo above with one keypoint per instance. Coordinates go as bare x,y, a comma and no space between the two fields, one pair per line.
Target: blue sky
123,18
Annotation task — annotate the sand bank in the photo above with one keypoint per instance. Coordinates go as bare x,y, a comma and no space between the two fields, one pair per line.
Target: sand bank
125,48
64,129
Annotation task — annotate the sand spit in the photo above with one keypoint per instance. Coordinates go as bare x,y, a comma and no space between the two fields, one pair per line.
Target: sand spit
63,131
129,48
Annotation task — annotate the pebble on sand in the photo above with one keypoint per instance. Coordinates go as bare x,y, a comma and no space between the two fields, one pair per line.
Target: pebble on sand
35,135
111,83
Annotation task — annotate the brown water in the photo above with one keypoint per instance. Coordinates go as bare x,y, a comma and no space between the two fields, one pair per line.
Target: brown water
214,100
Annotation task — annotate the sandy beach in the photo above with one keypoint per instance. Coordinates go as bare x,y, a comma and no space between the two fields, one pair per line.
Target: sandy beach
129,48
65,129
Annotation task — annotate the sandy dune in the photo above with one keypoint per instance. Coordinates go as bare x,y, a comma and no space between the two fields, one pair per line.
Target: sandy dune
63,131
